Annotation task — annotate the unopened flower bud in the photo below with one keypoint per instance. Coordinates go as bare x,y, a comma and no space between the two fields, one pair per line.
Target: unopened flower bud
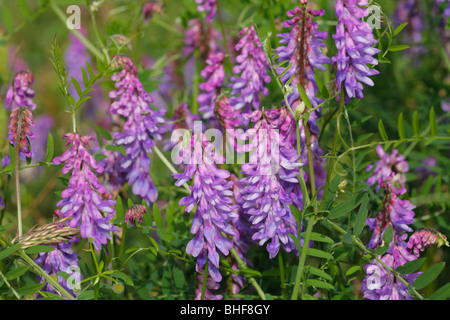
135,214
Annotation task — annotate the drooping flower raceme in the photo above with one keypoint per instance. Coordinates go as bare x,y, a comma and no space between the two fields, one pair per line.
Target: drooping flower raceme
303,51
250,72
354,40
83,196
214,74
270,180
64,259
202,37
143,126
394,163
211,196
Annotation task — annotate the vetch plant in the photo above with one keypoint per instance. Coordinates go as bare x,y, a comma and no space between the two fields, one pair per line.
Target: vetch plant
225,150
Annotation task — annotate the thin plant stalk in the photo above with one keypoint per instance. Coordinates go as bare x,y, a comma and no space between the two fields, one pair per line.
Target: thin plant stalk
16,171
205,279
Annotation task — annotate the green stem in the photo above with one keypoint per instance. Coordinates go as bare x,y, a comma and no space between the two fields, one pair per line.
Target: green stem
9,286
281,267
99,39
224,36
54,283
333,150
301,263
205,279
196,80
168,164
242,265
122,245
93,49
357,242
95,263
16,170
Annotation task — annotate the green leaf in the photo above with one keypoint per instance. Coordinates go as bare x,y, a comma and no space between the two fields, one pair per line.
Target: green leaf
319,284
86,295
3,229
39,249
411,266
320,273
401,126
352,270
319,254
157,217
50,148
119,208
122,276
361,217
318,237
8,19
77,87
398,47
250,272
23,7
332,189
178,277
346,206
428,276
433,123
388,235
30,289
399,28
105,134
304,97
383,133
9,251
441,293
15,273
322,88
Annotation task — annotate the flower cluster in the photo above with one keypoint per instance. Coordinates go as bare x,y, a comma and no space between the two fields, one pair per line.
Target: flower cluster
64,259
19,129
143,125
83,196
135,214
271,181
211,197
354,40
209,6
303,51
251,72
202,37
20,94
214,74
389,164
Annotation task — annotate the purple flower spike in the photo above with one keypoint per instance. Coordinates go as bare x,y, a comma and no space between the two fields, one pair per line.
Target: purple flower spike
210,6
393,163
304,55
62,258
271,181
354,40
20,94
83,197
211,196
201,36
143,126
214,74
251,72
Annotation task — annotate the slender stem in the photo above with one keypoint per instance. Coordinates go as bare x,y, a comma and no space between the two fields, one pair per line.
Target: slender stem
168,164
99,39
222,29
282,281
333,150
9,286
196,81
122,245
60,14
95,263
301,263
310,158
54,283
242,265
16,170
361,246
205,279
